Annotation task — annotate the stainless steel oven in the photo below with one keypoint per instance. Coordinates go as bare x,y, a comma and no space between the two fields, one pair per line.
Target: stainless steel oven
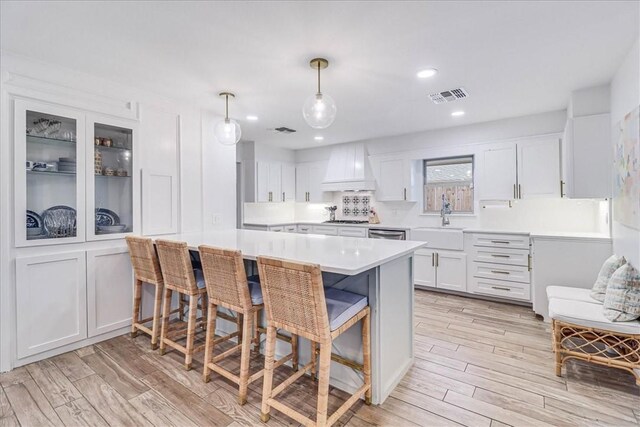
383,233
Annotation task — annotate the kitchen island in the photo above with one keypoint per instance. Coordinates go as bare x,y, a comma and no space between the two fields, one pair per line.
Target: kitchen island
380,269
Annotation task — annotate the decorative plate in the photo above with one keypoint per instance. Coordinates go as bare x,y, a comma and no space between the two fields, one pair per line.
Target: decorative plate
59,221
106,217
33,220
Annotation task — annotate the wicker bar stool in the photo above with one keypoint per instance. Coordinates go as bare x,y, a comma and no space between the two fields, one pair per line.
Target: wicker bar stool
179,276
295,301
146,270
228,287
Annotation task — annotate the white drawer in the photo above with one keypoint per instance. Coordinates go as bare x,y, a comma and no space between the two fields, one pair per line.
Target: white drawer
324,229
278,228
512,290
290,228
304,229
499,256
352,232
512,241
511,273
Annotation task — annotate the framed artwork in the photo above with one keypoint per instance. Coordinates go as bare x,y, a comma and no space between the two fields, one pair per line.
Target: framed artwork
626,164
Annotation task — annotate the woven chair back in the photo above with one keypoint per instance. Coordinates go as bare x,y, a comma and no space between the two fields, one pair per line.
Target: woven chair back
144,259
225,277
294,297
175,263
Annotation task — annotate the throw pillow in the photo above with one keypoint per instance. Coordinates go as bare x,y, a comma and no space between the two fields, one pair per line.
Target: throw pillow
608,268
622,300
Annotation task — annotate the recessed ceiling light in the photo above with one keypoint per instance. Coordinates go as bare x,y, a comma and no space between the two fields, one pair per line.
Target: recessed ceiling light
319,138
252,118
457,113
425,74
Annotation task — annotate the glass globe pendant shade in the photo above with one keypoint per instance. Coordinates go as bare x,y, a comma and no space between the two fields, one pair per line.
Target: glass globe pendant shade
319,111
227,132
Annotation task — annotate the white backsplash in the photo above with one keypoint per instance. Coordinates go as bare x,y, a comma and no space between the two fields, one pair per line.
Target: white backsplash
538,215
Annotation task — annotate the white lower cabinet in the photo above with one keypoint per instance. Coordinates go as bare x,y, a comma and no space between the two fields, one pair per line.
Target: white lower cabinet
109,290
352,232
441,269
51,303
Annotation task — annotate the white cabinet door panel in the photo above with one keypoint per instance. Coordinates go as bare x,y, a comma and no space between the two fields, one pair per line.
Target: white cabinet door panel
317,171
51,305
391,180
109,290
302,182
591,157
451,271
539,169
275,182
424,270
262,182
159,202
288,183
499,176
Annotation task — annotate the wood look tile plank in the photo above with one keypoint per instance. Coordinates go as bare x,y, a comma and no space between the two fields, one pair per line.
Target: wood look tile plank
30,406
80,413
10,421
72,366
175,370
123,381
184,400
379,416
495,423
226,401
54,384
434,356
443,409
430,341
81,352
127,354
415,413
5,406
160,412
596,414
492,411
456,337
420,374
109,403
17,376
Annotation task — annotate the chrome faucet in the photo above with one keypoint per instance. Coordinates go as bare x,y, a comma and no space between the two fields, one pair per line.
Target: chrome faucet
444,211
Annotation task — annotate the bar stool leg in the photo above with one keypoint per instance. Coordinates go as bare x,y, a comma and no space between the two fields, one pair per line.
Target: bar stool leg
314,360
166,309
157,307
366,356
137,300
267,385
294,350
239,323
204,303
191,330
244,359
256,333
211,336
323,383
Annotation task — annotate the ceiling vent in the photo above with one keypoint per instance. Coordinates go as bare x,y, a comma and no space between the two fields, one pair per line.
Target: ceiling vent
283,129
448,95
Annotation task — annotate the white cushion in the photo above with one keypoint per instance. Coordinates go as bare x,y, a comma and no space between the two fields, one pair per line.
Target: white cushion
574,294
342,306
589,315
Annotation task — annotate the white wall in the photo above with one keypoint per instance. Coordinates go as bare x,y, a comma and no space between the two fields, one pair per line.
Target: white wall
625,96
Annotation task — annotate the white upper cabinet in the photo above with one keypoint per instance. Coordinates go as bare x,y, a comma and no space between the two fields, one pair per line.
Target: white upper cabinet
523,170
499,174
309,177
586,157
288,182
539,169
396,180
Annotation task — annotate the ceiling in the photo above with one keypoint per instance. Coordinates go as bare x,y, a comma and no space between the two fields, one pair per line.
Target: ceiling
514,58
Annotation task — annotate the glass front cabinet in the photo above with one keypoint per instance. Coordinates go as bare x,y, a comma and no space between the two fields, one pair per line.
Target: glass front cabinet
75,178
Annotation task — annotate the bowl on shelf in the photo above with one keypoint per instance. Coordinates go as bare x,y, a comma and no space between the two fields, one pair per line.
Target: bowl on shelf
119,228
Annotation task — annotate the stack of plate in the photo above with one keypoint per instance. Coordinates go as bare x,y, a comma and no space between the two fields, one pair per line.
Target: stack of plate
67,164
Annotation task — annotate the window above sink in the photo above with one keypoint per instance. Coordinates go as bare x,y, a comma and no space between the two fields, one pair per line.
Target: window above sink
453,177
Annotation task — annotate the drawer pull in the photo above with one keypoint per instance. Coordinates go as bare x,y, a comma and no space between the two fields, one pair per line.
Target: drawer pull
500,272
501,242
500,256
500,288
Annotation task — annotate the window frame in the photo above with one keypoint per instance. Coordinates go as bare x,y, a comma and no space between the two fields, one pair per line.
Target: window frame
472,212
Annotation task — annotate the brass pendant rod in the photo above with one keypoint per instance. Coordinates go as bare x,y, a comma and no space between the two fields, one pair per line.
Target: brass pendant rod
226,107
319,78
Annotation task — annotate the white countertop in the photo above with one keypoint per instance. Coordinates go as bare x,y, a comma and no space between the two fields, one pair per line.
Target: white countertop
363,225
343,255
538,233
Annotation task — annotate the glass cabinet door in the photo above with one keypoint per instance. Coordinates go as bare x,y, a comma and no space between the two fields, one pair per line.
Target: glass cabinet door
110,188
49,187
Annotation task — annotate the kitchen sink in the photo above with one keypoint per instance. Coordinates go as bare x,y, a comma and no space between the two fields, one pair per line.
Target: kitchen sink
450,238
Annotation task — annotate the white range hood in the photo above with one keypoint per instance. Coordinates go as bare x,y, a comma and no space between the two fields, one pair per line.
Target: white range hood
349,169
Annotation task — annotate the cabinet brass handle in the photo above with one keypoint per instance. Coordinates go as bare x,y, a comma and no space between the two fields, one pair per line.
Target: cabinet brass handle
500,272
519,191
500,288
283,197
500,256
433,259
529,262
437,259
405,194
561,188
503,242
515,192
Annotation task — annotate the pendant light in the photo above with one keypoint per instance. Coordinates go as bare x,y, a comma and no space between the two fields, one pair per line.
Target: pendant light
319,111
227,131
